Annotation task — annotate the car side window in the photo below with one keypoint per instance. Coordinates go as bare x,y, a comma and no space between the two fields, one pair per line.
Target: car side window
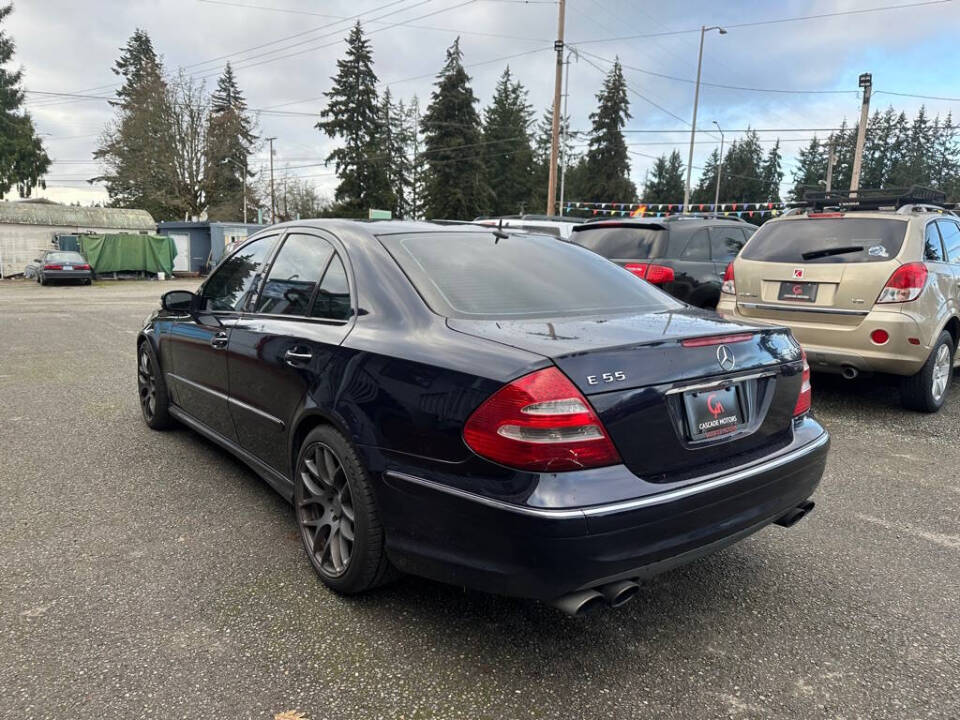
950,232
228,286
294,275
932,246
725,243
698,247
332,301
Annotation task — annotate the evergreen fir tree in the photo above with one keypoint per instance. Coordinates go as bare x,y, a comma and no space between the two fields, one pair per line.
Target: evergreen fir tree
23,159
811,168
771,175
705,190
352,115
414,151
742,179
230,141
607,163
455,179
574,188
945,160
393,147
666,181
508,155
139,169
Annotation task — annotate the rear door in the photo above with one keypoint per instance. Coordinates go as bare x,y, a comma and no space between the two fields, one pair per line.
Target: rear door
281,346
695,279
949,230
823,269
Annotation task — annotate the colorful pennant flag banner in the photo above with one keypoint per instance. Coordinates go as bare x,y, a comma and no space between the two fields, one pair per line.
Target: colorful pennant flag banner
642,209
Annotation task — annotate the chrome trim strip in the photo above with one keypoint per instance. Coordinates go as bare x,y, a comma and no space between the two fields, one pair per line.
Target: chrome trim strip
625,505
720,383
233,401
790,308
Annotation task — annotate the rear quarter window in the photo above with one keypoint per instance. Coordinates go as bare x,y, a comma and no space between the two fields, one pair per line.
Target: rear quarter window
626,243
827,240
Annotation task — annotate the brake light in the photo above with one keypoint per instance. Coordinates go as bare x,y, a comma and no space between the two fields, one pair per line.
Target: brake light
652,273
805,396
53,267
729,286
825,215
716,340
81,267
906,284
540,422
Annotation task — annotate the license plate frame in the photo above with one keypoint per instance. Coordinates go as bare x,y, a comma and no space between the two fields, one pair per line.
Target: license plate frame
712,414
68,267
798,291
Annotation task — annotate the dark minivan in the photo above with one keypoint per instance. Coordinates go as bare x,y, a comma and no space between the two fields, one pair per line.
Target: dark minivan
684,255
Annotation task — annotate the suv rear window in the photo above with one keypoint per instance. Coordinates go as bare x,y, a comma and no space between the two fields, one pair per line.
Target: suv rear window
625,243
472,275
827,240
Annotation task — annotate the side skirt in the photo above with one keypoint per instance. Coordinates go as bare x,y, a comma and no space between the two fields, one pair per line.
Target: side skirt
277,481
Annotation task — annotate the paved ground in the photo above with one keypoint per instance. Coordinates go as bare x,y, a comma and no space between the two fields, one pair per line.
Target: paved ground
149,575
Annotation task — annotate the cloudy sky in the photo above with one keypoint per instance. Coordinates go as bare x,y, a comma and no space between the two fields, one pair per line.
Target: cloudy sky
284,52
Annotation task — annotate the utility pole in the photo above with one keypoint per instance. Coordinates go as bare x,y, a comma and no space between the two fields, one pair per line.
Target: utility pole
716,194
831,161
273,197
415,172
866,82
564,159
555,135
696,101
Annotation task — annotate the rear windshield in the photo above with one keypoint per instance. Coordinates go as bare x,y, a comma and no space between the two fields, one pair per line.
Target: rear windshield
827,240
622,243
474,275
65,256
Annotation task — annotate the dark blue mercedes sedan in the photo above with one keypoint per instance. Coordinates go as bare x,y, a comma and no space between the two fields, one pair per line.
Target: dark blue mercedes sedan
495,410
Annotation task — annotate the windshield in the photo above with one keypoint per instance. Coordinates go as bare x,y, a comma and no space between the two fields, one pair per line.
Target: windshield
827,240
474,275
620,242
65,256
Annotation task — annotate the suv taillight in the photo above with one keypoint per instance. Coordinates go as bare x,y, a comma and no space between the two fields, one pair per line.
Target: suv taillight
540,422
806,393
729,285
652,273
905,284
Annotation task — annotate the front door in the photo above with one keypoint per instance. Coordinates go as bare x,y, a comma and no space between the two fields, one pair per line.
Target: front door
198,346
280,350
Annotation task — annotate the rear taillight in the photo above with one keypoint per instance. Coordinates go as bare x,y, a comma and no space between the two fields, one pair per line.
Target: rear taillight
540,422
651,272
53,267
81,267
729,286
805,396
905,284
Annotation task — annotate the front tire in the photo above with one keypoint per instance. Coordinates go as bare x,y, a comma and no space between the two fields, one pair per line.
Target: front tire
337,514
927,390
152,391
42,280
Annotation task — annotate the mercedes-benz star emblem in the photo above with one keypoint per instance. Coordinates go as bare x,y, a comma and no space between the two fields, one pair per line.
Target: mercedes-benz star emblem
725,358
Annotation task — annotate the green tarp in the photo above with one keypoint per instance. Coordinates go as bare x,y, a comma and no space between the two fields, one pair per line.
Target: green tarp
129,253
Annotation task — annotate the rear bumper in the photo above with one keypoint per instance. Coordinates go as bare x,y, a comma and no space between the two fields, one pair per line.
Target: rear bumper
467,539
831,347
67,274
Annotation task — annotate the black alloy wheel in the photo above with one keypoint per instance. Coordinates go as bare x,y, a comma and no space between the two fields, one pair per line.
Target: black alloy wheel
337,515
152,391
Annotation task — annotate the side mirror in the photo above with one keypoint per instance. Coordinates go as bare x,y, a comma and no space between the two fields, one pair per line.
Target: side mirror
181,301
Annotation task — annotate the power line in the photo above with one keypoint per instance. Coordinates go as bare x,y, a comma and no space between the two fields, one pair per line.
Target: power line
777,21
922,97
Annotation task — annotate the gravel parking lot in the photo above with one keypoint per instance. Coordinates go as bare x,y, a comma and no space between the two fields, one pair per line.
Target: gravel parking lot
151,575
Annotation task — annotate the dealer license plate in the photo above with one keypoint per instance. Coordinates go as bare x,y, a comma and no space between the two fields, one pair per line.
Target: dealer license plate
712,413
801,291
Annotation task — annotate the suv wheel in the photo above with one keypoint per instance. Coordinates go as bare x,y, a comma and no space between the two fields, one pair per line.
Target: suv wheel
337,514
927,390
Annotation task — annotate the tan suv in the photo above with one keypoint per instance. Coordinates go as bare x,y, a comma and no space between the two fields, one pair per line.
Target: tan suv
862,291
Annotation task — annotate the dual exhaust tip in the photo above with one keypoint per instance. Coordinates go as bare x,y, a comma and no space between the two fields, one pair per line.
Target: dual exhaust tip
621,592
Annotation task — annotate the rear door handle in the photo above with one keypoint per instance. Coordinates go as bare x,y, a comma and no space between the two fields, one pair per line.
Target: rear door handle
219,340
295,356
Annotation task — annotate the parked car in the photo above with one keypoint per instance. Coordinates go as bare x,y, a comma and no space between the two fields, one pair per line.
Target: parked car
686,255
559,226
491,409
32,270
60,265
864,290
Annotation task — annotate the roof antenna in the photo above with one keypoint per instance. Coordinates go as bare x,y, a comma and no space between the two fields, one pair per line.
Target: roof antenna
499,234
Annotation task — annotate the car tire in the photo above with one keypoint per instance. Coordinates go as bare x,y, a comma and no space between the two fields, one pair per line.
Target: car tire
337,514
41,279
88,281
152,390
927,390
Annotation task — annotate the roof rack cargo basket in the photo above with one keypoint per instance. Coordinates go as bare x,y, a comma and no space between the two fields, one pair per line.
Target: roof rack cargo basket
873,199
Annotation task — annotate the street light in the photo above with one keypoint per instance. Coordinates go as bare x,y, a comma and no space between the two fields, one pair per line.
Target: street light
716,197
696,99
242,167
